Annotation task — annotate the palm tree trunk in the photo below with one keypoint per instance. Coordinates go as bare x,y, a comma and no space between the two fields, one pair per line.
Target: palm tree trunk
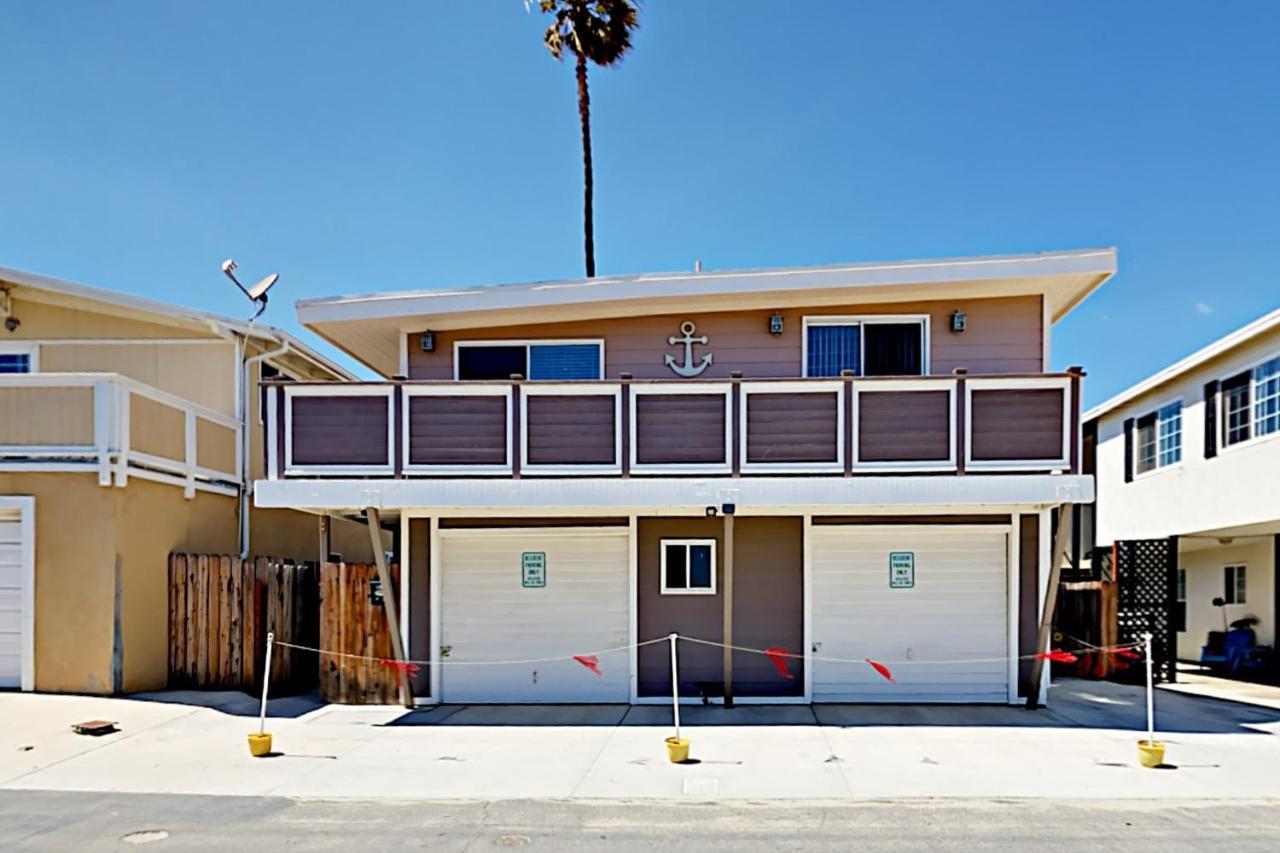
584,113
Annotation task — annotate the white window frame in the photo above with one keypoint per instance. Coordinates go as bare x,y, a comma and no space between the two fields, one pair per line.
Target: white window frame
1238,568
570,389
1221,403
872,386
479,390
338,390
813,386
1157,468
723,389
1045,383
863,320
527,343
687,544
31,351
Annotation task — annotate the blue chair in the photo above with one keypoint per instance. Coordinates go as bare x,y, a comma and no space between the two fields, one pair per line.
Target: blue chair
1227,651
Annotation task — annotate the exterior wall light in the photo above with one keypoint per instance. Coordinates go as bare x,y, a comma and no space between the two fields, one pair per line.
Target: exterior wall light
775,324
958,321
711,512
428,341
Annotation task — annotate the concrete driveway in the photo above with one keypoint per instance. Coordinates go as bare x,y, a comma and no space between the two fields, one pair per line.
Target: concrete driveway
1082,747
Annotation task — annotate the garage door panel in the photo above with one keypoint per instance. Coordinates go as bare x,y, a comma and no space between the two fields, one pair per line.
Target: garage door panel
956,612
487,614
12,579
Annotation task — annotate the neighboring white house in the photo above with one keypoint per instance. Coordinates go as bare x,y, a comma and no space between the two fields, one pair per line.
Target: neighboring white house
1194,451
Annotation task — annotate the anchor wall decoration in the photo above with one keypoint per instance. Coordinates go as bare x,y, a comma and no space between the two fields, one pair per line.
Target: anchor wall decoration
688,370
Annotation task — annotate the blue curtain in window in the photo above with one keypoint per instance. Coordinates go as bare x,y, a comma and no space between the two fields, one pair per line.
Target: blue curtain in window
564,361
15,363
833,349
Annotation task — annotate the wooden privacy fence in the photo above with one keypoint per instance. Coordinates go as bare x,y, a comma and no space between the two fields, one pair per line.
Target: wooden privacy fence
1086,614
220,610
354,622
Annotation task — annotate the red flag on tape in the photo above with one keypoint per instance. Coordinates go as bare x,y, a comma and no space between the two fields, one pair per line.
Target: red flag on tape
1058,656
1127,654
780,657
882,669
403,666
591,662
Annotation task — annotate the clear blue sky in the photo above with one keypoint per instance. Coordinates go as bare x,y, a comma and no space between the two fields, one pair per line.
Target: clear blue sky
382,146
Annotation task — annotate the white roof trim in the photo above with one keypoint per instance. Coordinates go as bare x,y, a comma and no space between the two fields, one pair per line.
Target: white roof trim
714,282
169,312
1222,345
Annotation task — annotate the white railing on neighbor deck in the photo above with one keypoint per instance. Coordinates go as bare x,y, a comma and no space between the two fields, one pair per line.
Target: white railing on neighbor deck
84,421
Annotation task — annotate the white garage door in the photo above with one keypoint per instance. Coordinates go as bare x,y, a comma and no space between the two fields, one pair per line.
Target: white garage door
15,600
488,613
956,611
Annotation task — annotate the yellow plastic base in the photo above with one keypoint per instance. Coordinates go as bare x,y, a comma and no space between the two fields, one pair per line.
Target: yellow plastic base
678,749
1150,753
259,744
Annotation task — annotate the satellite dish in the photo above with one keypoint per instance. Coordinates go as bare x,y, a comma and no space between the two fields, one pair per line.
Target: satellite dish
258,293
259,290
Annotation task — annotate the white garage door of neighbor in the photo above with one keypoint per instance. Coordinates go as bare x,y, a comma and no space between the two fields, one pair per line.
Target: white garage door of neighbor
955,611
13,597
488,613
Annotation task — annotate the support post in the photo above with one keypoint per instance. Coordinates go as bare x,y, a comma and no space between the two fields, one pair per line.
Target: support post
728,608
1151,702
1066,518
389,603
325,547
266,680
675,685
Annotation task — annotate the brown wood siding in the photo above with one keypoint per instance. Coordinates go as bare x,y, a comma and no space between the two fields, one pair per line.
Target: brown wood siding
461,430
768,600
768,606
679,428
571,430
420,600
340,430
1028,594
792,427
1017,424
1003,336
904,426
910,519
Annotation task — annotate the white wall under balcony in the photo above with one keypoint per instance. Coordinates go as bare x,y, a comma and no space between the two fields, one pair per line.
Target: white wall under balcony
1239,487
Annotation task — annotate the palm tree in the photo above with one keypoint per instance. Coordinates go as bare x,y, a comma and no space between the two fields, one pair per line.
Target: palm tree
598,31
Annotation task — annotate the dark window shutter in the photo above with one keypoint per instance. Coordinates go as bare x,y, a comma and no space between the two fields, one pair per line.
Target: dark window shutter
1128,450
1210,419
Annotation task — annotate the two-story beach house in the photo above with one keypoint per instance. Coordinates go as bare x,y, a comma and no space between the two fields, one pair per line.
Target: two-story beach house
1193,451
128,429
843,462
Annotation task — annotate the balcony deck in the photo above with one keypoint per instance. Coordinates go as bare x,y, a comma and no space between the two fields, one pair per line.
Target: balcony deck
848,426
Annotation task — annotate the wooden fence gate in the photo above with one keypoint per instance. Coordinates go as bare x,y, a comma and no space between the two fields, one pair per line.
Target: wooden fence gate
353,622
220,610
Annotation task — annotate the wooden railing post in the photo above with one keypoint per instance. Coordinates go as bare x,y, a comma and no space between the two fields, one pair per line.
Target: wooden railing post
735,413
1077,374
397,427
848,416
516,425
961,437
628,416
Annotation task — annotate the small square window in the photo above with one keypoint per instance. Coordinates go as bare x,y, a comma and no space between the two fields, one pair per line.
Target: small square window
688,566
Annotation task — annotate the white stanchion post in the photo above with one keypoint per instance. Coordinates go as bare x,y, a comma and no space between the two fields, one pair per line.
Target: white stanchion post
1151,707
675,686
266,680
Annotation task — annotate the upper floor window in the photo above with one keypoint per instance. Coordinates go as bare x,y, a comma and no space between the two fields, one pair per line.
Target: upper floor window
564,360
1251,403
869,346
1235,584
1160,438
17,358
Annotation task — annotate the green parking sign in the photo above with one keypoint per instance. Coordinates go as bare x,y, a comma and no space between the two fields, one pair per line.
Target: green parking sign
533,569
902,569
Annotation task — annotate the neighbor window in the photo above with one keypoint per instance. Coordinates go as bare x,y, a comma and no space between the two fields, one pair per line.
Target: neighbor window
553,360
1235,585
1266,397
17,358
1235,407
868,346
689,566
1160,438
1251,403
1180,605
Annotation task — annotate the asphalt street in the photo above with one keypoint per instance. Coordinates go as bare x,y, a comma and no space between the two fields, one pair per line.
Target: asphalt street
71,821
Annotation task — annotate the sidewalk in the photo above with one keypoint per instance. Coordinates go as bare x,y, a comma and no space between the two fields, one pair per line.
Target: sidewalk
1082,747
1199,683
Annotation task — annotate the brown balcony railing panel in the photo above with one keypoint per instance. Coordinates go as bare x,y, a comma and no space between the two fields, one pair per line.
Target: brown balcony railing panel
576,429
680,429
1016,424
457,430
792,428
339,430
904,426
